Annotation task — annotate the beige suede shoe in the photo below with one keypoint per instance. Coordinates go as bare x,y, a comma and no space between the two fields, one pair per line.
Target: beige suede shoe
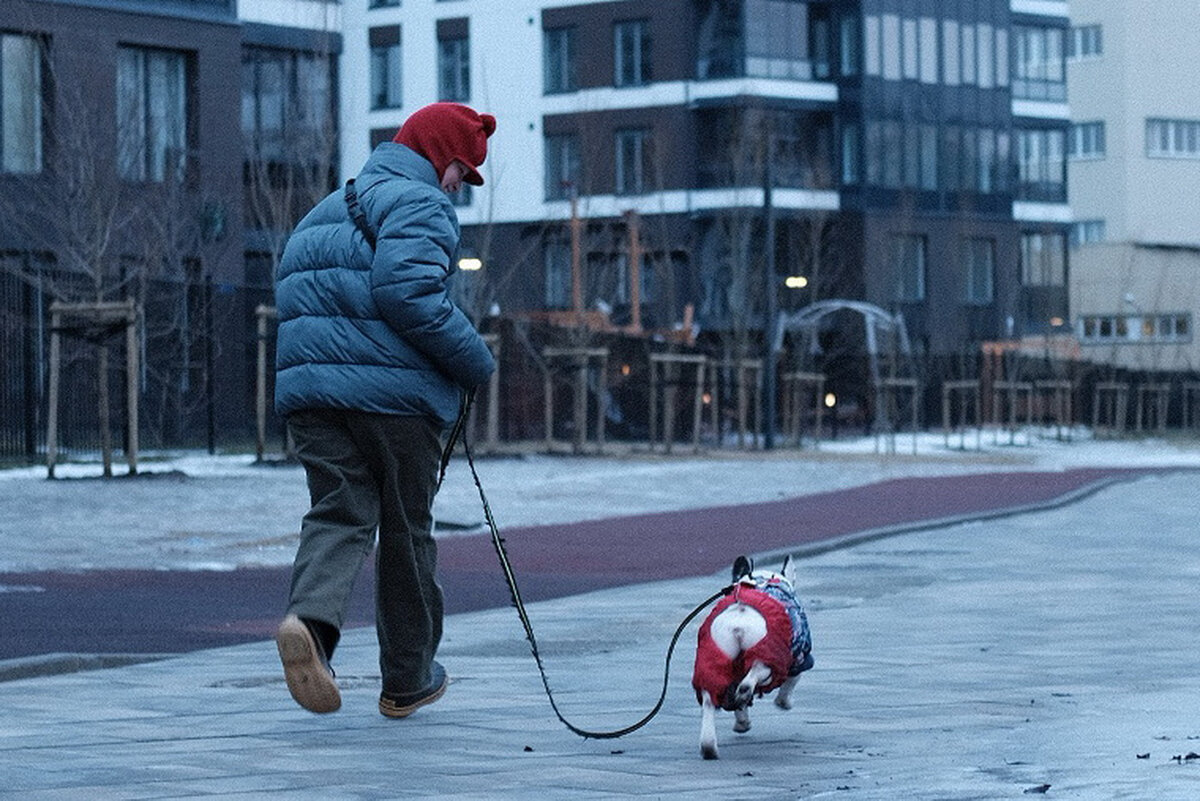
309,677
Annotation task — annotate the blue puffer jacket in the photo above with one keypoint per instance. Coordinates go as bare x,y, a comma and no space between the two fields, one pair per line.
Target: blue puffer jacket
376,331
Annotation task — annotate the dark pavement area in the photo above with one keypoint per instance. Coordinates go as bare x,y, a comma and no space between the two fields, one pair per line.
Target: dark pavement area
171,611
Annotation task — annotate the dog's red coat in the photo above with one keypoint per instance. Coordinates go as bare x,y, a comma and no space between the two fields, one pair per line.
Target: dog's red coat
715,672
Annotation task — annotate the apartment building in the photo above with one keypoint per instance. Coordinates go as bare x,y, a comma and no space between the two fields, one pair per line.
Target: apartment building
138,140
916,152
1134,150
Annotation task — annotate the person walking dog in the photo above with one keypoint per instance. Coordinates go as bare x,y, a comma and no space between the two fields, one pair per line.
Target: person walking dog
373,363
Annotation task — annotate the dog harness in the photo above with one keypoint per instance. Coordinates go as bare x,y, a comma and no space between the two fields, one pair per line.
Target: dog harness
785,650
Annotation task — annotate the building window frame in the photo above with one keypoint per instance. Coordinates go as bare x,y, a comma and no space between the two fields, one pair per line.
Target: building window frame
1039,66
556,272
1042,164
386,67
152,113
1147,329
1043,259
21,104
980,271
631,53
454,69
908,254
1085,42
1086,141
560,71
562,165
633,149
1087,232
1172,138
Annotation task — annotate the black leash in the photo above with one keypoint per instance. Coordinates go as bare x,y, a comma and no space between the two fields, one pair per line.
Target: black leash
459,431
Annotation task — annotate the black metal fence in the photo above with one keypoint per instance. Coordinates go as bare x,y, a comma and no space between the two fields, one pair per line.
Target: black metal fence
200,381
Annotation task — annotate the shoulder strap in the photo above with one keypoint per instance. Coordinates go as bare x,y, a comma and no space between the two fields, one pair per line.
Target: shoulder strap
356,214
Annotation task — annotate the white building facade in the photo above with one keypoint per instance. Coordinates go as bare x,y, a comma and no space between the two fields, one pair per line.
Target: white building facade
1134,152
917,151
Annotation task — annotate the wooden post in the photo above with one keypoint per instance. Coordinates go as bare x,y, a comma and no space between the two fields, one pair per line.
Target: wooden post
52,393
635,272
493,404
263,313
670,375
548,394
105,411
132,370
576,260
580,404
99,318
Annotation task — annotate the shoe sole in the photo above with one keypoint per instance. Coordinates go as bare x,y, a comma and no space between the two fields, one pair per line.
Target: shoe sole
390,709
308,679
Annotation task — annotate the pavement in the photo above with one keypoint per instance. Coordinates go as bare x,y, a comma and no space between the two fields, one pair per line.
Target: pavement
1031,633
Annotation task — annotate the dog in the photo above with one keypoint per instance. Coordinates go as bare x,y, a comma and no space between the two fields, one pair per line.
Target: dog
755,639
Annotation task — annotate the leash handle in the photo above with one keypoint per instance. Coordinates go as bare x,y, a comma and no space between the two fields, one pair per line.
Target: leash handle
515,593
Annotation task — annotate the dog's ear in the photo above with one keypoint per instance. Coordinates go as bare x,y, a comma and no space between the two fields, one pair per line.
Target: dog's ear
742,566
788,571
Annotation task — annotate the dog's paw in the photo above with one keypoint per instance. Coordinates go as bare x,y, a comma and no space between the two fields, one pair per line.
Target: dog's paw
783,702
708,750
741,726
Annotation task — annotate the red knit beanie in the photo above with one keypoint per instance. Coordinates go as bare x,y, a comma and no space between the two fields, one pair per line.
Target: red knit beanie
443,132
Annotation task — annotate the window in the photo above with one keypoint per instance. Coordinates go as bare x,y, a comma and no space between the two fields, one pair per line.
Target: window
151,114
385,67
851,158
1148,328
1087,232
891,47
1041,165
778,38
631,53
987,56
558,61
1043,260
929,165
980,268
951,69
1173,139
911,51
633,161
849,45
556,267
1086,140
1085,41
454,69
1039,72
929,50
908,267
20,104
562,166
968,58
720,47
287,112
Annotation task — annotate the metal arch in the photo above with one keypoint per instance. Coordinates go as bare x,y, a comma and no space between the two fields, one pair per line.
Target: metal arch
874,316
813,312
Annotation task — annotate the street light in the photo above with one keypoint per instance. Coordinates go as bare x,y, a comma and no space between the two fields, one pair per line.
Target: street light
795,282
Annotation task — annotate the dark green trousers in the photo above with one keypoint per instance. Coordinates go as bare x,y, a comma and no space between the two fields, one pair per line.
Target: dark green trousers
368,473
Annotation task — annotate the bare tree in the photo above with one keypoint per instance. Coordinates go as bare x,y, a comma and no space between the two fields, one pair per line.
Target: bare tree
291,142
101,229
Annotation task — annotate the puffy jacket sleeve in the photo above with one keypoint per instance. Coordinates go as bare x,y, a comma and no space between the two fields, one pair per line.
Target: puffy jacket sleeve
417,241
